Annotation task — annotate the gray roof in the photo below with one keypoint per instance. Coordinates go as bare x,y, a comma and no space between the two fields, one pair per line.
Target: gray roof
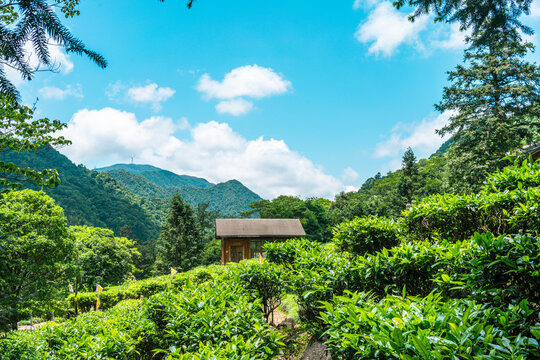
235,228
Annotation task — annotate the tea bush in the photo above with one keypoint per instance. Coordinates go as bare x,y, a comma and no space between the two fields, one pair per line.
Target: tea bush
366,235
212,318
360,327
263,281
119,333
507,204
502,270
285,253
410,268
147,287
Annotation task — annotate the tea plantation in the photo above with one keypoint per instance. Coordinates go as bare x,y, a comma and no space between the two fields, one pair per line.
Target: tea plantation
455,277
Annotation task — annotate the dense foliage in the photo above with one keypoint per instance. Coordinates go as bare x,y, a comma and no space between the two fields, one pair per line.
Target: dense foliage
229,198
313,213
103,258
366,235
91,198
209,318
36,250
494,99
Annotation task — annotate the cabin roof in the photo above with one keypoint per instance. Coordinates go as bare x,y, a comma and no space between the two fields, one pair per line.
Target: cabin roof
235,228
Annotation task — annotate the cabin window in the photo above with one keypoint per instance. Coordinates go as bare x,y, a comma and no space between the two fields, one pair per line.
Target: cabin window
255,248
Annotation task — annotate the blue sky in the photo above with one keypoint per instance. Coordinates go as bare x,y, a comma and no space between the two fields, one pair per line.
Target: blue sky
305,98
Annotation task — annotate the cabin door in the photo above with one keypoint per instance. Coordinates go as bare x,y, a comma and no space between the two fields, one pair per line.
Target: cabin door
236,253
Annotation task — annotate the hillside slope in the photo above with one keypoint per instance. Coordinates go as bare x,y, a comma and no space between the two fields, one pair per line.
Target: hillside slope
159,176
94,198
230,198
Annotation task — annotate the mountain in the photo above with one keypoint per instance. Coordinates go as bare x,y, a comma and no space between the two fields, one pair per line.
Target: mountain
230,198
159,176
94,198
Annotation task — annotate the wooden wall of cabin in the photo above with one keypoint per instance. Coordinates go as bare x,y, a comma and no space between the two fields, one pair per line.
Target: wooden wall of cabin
227,243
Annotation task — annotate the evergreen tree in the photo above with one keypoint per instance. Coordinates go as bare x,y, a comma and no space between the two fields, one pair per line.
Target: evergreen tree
179,244
494,101
483,17
408,182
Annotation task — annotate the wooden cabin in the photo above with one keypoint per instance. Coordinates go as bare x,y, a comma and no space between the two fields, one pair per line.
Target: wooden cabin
244,238
533,150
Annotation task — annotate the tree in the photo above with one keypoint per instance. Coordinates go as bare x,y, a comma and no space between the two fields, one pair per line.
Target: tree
408,182
35,23
313,213
36,251
179,244
19,133
494,100
103,258
483,17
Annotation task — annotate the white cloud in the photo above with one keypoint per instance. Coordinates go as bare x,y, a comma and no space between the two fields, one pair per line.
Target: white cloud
234,107
212,150
455,40
535,9
386,29
251,81
150,94
53,92
421,137
349,175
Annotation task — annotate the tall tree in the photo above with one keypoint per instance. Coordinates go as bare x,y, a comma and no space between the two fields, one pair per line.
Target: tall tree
36,250
408,182
103,258
481,16
179,244
494,99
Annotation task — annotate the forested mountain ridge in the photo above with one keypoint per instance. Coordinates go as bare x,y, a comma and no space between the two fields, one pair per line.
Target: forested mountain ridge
230,198
160,177
93,198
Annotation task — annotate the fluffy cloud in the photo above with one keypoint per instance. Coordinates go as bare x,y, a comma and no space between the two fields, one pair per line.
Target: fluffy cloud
386,29
421,137
150,94
212,150
52,92
246,81
234,107
349,175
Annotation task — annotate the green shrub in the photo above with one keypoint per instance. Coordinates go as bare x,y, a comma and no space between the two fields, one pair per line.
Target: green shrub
507,204
359,327
264,281
366,235
407,269
119,333
502,270
448,216
285,253
520,175
215,317
110,296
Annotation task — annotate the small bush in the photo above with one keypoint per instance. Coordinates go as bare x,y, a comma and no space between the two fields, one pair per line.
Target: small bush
502,270
285,253
212,318
145,288
366,235
264,281
359,327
